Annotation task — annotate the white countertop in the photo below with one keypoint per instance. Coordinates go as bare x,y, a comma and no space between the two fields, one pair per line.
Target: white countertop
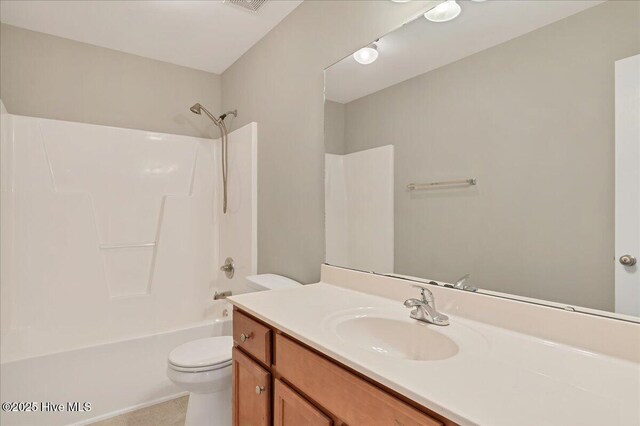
498,377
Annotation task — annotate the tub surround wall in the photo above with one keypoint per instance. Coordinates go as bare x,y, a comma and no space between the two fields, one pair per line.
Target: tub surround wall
52,77
279,83
116,232
101,249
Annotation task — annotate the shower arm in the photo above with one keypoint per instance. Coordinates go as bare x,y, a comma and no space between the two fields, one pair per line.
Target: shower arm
217,121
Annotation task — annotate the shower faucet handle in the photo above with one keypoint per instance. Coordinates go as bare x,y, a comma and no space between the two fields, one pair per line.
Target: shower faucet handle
228,268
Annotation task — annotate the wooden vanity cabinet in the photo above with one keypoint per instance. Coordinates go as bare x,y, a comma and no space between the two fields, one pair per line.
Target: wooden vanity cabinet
281,382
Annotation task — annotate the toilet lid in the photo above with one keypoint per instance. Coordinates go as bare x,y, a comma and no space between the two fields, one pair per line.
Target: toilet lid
202,352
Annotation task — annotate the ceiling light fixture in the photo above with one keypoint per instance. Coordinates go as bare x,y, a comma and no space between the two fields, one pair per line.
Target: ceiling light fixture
445,11
366,55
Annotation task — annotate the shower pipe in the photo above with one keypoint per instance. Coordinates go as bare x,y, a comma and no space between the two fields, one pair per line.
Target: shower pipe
219,121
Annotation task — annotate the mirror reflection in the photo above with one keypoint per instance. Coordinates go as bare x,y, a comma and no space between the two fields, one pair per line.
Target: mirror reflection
502,143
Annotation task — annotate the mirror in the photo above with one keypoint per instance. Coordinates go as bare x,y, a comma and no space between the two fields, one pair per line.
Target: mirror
503,144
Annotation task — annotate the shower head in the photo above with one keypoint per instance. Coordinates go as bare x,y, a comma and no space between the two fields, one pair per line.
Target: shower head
196,109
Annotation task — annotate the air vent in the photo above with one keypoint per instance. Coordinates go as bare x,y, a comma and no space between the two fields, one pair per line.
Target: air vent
251,5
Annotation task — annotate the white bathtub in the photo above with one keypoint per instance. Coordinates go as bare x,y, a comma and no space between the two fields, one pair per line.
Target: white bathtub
114,377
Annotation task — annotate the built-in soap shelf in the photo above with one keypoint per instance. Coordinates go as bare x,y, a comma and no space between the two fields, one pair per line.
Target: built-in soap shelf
128,267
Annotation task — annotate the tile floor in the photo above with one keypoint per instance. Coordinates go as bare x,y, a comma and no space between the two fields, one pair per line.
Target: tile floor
169,413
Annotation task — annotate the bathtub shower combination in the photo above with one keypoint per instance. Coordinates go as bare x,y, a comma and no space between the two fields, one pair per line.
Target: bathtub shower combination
112,240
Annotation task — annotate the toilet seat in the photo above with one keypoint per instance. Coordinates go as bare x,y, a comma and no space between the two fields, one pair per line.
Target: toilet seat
211,353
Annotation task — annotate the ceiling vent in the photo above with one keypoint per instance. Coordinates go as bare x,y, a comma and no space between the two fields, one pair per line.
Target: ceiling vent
251,5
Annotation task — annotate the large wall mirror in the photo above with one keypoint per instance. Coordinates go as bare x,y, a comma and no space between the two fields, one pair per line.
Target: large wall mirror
503,144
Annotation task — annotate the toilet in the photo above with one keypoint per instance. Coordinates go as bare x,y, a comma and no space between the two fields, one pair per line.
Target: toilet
203,367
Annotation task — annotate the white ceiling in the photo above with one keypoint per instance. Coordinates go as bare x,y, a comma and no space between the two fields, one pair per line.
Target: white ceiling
421,46
206,35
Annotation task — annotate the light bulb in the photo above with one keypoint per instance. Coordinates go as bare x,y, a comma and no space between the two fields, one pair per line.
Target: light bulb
366,55
444,12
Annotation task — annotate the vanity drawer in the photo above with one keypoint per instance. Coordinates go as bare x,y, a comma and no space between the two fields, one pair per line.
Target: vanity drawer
253,337
353,400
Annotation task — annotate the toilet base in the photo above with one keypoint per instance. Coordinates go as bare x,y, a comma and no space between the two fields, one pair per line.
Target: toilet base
209,409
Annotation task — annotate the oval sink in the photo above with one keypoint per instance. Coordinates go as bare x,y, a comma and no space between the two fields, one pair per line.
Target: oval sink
395,338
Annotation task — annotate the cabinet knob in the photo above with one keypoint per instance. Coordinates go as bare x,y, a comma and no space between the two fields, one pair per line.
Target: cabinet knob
627,260
245,337
259,389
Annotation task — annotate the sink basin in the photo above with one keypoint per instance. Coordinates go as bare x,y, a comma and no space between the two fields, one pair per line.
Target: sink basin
396,338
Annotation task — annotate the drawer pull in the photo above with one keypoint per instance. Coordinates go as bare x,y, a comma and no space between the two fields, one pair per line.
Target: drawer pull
259,389
245,337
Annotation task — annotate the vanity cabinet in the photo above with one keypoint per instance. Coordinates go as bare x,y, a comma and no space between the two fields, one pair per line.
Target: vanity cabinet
281,382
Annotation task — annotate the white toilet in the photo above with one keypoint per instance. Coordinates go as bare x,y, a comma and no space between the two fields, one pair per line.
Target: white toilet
203,367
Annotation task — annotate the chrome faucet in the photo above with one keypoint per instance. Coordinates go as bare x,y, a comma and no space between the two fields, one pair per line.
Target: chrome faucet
424,309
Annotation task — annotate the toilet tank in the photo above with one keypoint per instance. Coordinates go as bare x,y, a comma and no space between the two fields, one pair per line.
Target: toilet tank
262,282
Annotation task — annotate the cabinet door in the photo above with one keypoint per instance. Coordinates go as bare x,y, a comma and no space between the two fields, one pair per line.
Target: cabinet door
291,409
343,394
251,392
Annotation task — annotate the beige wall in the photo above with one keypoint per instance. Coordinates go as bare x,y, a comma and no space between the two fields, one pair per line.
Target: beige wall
52,77
334,114
279,84
531,119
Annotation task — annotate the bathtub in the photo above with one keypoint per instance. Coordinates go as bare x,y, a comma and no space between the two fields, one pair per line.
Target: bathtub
113,377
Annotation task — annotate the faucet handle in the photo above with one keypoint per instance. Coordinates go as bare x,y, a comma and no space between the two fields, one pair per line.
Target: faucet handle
426,298
412,303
